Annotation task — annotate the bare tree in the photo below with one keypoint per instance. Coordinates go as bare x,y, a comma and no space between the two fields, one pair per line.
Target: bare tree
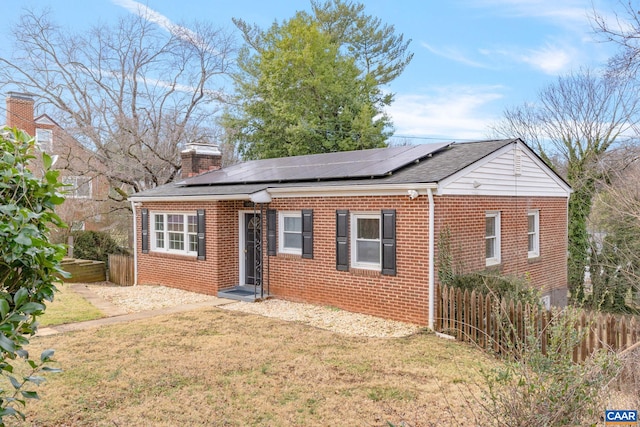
573,123
133,94
622,28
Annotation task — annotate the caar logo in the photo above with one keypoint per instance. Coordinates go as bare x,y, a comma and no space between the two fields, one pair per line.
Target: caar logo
621,418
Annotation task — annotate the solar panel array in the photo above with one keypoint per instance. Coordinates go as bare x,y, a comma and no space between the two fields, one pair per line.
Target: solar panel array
342,165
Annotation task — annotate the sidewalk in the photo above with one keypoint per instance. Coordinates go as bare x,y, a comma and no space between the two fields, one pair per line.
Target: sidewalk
115,314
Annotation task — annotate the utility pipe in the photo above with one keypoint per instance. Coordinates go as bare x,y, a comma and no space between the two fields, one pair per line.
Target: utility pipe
431,258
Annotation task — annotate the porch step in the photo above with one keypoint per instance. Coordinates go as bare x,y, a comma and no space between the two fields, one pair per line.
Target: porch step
242,293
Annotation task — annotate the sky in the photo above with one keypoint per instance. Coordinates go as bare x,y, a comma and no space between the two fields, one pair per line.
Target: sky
472,58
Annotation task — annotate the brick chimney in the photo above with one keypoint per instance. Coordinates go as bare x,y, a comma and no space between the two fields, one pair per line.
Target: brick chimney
20,112
198,158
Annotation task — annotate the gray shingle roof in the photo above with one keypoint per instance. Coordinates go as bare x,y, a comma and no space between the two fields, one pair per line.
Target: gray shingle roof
429,163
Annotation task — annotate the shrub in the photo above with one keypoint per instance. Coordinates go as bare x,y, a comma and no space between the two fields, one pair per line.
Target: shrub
95,245
29,264
509,287
533,388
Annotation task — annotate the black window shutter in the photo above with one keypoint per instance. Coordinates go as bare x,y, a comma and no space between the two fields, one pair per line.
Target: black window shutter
342,240
271,232
145,231
201,235
307,233
389,242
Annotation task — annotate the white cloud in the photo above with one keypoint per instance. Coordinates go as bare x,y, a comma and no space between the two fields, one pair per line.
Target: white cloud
551,58
454,55
162,21
451,112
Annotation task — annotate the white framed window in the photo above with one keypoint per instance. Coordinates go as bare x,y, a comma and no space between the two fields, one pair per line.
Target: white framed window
366,245
533,234
174,233
290,232
44,139
492,238
79,187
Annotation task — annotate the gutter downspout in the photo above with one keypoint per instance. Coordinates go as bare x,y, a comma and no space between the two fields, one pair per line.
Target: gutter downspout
135,246
431,258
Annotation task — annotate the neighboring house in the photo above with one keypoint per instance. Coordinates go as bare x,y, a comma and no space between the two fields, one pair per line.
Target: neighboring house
356,230
87,190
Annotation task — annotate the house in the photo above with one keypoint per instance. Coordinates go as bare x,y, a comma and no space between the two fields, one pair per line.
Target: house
355,230
87,190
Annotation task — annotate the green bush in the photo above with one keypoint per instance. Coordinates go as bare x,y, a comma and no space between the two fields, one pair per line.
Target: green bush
95,245
29,264
509,287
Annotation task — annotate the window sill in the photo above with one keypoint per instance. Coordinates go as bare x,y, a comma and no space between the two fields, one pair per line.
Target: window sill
170,255
287,255
364,272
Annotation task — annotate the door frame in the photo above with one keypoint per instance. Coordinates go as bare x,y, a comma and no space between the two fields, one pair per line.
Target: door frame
242,241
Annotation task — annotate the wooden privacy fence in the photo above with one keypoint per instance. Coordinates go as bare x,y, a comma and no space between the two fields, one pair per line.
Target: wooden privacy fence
502,326
121,269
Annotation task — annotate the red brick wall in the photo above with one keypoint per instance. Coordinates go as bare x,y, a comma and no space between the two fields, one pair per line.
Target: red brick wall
401,297
220,268
465,216
20,113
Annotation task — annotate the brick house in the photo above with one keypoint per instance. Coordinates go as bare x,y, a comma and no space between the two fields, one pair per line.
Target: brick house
88,189
356,230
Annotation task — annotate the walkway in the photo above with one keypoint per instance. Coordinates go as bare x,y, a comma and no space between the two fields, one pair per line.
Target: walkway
115,314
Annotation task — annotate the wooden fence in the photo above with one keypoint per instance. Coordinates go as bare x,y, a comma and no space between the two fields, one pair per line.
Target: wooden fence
121,270
502,325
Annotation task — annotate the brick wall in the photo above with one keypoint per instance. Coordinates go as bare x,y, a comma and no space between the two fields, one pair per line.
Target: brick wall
220,268
20,113
401,297
465,216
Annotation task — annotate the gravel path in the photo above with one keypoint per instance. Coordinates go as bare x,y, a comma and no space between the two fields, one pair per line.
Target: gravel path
135,299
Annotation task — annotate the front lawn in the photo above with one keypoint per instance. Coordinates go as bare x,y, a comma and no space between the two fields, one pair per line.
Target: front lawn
68,307
222,368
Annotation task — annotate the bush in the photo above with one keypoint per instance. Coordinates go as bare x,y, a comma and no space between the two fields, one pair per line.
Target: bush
95,245
29,264
509,287
533,388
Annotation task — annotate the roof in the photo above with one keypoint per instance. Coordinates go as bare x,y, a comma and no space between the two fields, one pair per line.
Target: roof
425,163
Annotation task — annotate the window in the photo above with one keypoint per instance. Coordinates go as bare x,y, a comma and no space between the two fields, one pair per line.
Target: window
533,231
177,233
366,248
492,238
44,139
290,226
79,187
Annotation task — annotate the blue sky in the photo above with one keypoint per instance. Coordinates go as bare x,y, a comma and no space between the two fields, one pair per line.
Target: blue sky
473,58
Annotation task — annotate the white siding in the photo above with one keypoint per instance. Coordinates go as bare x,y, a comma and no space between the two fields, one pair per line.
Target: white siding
497,175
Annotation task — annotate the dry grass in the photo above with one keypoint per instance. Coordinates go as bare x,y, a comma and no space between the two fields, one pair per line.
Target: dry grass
219,368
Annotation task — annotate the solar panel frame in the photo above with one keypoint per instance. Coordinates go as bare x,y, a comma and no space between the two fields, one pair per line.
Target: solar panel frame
341,165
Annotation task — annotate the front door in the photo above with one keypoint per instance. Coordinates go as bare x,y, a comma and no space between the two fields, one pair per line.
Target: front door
252,249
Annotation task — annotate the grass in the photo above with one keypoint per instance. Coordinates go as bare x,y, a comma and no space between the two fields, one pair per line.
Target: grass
224,368
68,307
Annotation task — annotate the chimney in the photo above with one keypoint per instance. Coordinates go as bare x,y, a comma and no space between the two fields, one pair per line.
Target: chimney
198,158
20,112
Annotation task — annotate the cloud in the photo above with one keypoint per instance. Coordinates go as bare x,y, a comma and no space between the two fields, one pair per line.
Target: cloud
551,58
162,21
454,55
451,112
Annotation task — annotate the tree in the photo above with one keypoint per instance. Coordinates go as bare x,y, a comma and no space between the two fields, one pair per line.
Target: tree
615,249
29,263
623,29
313,84
573,124
133,93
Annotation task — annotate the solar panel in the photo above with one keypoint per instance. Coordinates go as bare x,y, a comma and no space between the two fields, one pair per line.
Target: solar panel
341,165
